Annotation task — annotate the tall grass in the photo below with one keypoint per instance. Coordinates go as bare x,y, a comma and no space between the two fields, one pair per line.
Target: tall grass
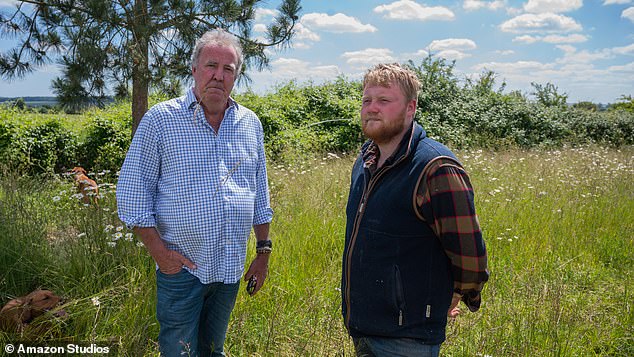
559,228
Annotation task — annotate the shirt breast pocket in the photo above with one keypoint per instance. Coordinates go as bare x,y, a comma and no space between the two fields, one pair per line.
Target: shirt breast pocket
243,168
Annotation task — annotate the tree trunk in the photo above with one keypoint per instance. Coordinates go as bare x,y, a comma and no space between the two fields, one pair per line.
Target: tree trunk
140,67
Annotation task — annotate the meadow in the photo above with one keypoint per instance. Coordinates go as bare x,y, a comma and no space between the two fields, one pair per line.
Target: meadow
558,224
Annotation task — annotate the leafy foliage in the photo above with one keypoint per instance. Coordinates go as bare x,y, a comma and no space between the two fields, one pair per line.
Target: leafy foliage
148,43
301,121
106,145
43,149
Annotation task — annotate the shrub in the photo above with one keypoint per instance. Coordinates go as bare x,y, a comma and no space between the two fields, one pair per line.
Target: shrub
106,145
43,149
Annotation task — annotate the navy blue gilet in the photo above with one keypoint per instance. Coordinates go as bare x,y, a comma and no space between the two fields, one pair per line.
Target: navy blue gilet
396,277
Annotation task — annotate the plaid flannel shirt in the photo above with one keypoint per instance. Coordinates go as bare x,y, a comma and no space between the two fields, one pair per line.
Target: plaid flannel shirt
444,198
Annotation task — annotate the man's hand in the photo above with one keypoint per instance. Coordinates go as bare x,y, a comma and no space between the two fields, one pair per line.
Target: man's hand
260,268
454,310
168,261
171,262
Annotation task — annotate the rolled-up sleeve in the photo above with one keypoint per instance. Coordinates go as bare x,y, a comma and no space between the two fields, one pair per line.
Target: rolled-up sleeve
138,178
263,212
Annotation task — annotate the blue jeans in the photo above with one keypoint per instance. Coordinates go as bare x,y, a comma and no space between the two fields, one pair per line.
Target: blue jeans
402,347
193,317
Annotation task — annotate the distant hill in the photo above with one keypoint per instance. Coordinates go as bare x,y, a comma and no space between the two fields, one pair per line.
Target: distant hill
33,101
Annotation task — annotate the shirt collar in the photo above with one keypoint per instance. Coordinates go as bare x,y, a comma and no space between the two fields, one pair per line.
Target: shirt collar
372,152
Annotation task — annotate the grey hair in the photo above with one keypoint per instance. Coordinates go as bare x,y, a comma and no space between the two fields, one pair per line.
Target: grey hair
218,37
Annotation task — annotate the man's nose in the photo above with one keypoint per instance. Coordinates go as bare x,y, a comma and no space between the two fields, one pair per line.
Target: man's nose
217,74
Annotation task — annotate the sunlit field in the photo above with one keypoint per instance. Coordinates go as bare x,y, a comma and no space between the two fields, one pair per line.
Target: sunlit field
559,229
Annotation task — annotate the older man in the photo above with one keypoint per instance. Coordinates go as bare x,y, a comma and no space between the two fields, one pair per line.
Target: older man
193,184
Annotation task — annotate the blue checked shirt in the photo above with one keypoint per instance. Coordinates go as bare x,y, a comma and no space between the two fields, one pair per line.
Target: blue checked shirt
202,190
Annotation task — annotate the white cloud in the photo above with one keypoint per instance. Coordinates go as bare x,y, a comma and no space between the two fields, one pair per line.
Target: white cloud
368,57
505,52
262,14
304,33
629,67
452,44
540,23
452,54
259,28
337,23
574,38
616,2
452,48
513,67
290,68
418,54
470,5
626,50
410,10
568,49
304,37
628,13
552,6
572,56
527,39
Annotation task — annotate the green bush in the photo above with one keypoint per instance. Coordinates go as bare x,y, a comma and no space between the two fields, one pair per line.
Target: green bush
308,119
45,148
106,144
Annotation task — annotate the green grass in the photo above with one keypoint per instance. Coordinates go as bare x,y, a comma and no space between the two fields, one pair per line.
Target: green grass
559,229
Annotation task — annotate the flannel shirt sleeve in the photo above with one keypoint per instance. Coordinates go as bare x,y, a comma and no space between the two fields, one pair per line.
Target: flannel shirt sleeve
445,200
138,178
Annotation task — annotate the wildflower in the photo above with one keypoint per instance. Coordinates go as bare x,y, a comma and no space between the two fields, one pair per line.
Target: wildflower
112,244
56,199
81,235
106,209
117,236
129,237
109,228
95,301
139,244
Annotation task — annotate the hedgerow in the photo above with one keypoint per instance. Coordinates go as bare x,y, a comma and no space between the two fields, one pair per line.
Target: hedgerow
301,120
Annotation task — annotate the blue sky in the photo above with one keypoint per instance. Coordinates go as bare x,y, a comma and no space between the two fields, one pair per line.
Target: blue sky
584,47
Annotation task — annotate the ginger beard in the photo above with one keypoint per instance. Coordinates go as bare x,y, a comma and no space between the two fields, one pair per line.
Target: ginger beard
382,131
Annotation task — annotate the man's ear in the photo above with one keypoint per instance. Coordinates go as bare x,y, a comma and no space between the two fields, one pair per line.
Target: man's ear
410,110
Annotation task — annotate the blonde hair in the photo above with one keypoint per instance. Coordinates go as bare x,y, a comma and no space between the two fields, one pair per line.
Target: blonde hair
385,74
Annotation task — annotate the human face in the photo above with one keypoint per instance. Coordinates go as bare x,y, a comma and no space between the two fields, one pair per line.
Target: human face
385,113
214,76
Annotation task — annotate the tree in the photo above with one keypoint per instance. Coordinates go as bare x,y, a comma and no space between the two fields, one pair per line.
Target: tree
625,103
145,42
548,95
587,106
